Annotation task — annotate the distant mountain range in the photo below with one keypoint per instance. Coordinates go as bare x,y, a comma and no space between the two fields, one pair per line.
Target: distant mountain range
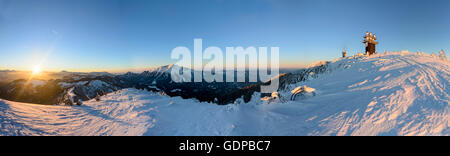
73,87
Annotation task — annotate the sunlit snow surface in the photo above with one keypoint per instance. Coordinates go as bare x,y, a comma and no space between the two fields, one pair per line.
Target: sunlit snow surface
385,94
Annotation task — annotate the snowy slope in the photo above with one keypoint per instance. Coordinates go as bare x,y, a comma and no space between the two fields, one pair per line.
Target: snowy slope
384,94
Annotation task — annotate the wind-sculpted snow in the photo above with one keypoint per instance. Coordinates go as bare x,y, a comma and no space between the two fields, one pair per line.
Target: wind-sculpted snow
392,94
384,94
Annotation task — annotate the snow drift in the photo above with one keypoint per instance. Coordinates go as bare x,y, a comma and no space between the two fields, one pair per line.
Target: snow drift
383,94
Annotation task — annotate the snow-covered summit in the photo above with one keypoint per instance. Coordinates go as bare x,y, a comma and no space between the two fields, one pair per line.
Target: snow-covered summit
165,69
383,94
399,93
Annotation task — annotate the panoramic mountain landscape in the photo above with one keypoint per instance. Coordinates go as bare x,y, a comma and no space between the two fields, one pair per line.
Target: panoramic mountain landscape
233,73
398,93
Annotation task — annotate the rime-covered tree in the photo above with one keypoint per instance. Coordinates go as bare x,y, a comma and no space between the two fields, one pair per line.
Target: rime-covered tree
442,55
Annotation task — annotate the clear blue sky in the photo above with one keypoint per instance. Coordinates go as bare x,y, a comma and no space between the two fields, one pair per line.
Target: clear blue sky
103,35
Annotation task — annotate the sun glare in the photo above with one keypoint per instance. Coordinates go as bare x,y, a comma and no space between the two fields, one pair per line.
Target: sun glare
36,70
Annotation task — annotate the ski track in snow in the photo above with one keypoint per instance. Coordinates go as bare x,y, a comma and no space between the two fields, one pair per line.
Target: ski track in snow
384,94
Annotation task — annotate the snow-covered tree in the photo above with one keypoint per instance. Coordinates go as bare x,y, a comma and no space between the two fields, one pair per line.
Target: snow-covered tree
433,55
442,55
239,101
420,53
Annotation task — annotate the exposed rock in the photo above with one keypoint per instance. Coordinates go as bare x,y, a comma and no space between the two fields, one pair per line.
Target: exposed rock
302,91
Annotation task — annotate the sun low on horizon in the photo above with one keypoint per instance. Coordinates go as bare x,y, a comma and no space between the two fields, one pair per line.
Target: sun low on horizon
36,70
